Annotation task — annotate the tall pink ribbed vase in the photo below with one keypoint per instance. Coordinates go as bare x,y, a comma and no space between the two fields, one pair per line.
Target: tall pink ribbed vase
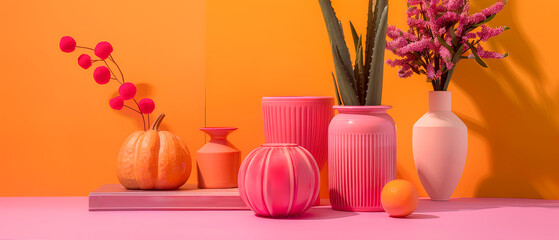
361,157
440,146
300,120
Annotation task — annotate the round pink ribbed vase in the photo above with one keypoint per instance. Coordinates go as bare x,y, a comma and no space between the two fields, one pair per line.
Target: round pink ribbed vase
279,180
440,145
300,120
361,157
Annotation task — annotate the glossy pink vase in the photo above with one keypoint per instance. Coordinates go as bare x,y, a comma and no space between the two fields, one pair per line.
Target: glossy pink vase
279,180
440,145
300,120
361,157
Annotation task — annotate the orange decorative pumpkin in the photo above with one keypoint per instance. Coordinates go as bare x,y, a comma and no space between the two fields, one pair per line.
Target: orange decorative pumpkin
153,159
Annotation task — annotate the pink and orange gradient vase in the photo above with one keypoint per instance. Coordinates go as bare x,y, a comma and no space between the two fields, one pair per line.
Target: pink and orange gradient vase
440,145
279,180
300,120
361,157
218,160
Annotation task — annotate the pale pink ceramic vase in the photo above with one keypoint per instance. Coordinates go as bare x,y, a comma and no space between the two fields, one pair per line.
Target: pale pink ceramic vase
440,144
300,120
279,180
361,157
218,160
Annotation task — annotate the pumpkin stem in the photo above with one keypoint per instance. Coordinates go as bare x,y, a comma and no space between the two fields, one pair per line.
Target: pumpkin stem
157,122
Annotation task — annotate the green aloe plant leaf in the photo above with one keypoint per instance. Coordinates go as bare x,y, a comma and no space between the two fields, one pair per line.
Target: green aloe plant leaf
338,100
358,73
374,88
335,33
356,38
372,13
345,79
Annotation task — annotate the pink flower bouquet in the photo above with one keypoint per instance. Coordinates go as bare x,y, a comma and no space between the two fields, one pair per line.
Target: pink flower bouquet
440,33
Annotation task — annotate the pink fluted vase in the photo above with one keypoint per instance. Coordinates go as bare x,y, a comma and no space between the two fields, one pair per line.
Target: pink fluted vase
300,120
361,157
279,180
440,145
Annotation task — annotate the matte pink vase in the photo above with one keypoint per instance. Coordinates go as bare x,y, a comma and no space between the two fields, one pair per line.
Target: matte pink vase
300,120
218,160
361,157
279,180
440,145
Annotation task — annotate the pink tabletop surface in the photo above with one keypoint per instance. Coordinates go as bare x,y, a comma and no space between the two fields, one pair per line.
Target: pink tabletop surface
68,218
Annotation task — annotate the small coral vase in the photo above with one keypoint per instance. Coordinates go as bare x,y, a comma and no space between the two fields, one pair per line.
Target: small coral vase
218,160
440,144
300,120
361,157
279,180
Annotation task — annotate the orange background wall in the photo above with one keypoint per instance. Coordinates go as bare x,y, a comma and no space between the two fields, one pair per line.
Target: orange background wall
59,137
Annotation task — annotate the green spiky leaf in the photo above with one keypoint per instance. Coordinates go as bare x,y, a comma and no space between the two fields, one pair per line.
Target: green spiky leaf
336,33
372,25
374,88
356,39
338,100
345,80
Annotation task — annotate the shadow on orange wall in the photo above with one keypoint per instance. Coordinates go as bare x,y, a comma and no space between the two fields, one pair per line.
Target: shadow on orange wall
519,120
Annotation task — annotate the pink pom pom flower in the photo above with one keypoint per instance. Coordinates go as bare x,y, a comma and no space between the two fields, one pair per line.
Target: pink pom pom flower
116,103
103,50
146,105
127,90
84,61
102,75
67,44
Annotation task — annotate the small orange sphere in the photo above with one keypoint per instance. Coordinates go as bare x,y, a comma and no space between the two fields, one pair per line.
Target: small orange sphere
399,198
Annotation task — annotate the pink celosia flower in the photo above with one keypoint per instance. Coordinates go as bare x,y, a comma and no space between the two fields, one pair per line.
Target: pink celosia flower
405,71
487,32
454,4
431,71
417,46
447,57
437,30
476,18
494,9
396,43
486,54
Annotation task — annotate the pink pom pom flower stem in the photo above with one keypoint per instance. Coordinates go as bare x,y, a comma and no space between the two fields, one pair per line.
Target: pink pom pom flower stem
120,81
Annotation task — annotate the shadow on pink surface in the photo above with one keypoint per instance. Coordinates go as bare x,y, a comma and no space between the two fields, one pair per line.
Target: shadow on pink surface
471,204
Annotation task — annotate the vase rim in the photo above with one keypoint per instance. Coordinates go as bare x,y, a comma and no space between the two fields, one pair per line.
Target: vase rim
280,145
218,128
376,108
297,98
